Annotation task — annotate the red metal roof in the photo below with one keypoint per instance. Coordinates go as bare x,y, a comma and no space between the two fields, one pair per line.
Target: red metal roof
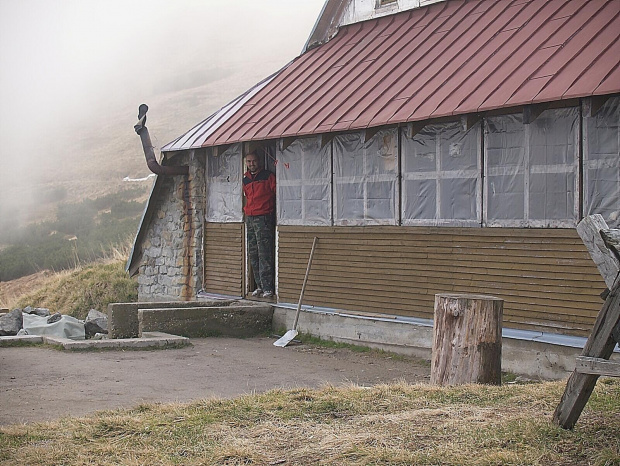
449,58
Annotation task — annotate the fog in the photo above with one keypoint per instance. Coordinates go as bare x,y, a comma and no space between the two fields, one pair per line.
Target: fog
67,62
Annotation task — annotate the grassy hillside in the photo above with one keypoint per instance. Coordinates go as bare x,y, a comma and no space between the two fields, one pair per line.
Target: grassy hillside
73,292
73,207
79,233
397,424
90,158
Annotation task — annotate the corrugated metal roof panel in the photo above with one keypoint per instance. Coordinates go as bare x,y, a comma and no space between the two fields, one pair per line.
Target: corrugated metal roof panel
448,58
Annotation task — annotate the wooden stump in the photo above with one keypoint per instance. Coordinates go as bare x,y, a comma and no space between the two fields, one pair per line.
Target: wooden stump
467,339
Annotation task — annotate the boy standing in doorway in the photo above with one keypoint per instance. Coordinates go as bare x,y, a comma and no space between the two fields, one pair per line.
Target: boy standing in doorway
259,188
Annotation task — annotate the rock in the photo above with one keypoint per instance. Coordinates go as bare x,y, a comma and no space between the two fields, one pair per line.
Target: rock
96,322
54,318
11,323
39,311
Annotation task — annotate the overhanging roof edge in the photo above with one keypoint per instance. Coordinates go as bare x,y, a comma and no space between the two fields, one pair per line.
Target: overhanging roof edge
195,137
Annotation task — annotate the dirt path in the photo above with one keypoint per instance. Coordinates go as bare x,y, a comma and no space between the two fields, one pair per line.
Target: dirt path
38,384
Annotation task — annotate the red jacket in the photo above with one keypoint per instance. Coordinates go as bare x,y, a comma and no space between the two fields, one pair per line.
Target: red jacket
260,193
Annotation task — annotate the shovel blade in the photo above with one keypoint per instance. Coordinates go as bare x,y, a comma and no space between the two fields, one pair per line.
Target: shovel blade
285,339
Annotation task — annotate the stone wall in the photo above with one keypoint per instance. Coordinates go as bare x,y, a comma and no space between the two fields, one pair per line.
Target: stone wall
171,265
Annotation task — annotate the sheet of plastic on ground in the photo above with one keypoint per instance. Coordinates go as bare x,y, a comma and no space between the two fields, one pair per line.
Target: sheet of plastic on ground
65,327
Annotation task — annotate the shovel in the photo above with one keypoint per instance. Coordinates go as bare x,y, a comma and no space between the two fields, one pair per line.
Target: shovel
289,335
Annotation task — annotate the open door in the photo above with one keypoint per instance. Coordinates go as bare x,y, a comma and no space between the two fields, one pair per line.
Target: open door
267,153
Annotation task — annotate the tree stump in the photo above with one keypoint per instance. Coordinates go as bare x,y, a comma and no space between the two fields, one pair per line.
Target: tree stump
467,339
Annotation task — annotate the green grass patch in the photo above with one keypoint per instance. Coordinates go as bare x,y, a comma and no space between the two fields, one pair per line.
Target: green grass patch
316,341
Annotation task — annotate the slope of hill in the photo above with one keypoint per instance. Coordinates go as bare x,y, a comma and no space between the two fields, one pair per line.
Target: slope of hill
91,157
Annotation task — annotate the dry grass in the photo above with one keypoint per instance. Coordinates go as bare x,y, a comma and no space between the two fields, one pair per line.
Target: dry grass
76,291
387,424
11,291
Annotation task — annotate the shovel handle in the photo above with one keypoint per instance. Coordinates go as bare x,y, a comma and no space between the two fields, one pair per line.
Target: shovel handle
303,287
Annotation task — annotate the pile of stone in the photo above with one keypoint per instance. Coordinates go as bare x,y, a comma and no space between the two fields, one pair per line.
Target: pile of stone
38,320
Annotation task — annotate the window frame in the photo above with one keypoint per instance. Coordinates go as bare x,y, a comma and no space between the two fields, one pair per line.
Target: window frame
364,180
238,215
303,182
439,174
590,163
526,170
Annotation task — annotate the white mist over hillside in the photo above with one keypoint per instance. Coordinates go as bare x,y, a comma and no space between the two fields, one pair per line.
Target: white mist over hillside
73,72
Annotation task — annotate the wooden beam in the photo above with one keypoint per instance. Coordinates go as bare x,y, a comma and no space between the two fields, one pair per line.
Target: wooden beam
601,345
219,150
592,105
327,138
286,142
531,112
615,333
597,366
611,238
371,132
251,146
589,230
467,121
414,128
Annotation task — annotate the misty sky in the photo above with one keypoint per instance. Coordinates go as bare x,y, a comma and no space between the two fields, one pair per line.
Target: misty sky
62,59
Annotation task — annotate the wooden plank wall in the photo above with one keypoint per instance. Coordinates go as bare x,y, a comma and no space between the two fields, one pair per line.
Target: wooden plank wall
546,276
224,258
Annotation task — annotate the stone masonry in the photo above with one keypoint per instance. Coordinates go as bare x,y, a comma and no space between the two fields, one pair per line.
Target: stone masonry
171,267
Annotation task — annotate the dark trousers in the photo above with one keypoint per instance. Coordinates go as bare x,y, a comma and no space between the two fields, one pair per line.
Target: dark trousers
261,235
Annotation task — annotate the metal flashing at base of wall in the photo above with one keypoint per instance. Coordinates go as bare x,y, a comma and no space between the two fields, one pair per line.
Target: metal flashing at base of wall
536,355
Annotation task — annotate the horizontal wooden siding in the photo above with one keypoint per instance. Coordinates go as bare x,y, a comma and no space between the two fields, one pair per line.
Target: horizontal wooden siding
224,253
546,276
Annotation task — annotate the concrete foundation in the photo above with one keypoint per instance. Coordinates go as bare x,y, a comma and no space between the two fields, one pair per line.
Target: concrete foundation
150,340
531,354
203,318
123,317
240,321
521,353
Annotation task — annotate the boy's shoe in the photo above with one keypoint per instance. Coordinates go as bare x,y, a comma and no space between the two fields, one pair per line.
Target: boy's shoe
268,294
257,292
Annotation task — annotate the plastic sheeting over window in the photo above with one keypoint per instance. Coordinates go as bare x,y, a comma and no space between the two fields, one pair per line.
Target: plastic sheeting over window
365,179
531,170
304,183
224,187
602,163
441,176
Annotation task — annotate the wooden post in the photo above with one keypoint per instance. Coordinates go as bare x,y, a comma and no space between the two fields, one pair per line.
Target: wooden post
589,230
600,345
467,339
